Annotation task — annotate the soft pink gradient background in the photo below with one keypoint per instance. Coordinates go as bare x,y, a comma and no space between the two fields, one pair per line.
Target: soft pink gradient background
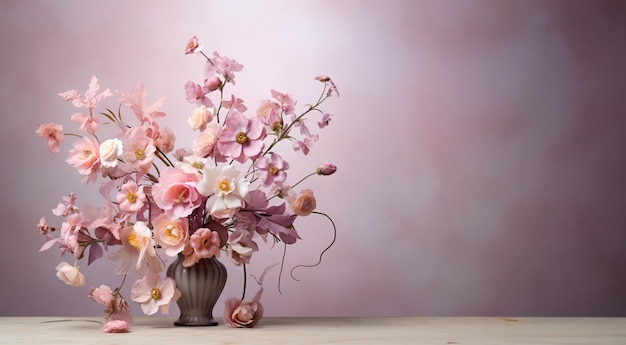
480,144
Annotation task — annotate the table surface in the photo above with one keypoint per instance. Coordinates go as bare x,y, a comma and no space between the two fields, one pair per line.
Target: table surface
324,330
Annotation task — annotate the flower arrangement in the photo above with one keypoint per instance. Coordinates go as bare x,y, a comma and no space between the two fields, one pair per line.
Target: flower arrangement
221,196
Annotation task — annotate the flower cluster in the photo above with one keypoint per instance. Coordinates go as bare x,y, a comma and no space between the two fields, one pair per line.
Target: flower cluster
220,196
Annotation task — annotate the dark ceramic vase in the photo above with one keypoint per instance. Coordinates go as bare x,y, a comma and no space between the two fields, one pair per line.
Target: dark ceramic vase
200,286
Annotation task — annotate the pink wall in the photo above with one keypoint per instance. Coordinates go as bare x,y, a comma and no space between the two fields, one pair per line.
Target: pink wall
480,144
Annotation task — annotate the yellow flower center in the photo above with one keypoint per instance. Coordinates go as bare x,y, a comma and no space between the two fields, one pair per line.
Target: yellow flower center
172,232
272,170
131,197
134,241
140,154
197,165
206,242
155,293
241,138
224,186
87,153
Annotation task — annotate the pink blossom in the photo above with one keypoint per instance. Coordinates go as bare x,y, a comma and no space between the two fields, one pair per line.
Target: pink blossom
91,99
193,46
116,306
165,140
204,144
234,103
241,246
139,150
88,123
286,101
137,103
326,168
131,197
305,144
102,295
304,203
176,193
170,234
197,94
224,66
200,117
242,138
115,326
70,275
137,250
269,114
240,314
205,243
53,133
84,156
332,88
323,122
271,169
154,294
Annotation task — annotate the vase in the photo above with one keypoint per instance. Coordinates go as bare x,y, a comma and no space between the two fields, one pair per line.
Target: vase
200,286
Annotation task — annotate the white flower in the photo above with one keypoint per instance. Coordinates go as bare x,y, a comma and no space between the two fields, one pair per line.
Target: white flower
224,189
110,151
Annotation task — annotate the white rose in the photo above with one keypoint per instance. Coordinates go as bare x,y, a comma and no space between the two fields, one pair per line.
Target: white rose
110,151
70,275
200,117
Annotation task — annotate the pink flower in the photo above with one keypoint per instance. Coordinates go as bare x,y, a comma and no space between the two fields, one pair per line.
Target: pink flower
269,114
240,314
116,306
271,169
70,275
115,326
286,101
131,197
197,94
139,150
212,84
176,193
304,203
165,140
204,144
241,246
205,243
242,138
223,66
102,295
84,156
234,103
87,123
53,133
192,46
170,234
326,169
305,144
332,88
323,122
154,294
137,103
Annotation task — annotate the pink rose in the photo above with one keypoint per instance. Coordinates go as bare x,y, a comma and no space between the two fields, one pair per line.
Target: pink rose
165,140
176,193
70,275
115,326
170,234
240,314
204,143
304,203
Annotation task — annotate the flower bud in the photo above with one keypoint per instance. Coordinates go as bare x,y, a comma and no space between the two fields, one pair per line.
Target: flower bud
326,169
212,83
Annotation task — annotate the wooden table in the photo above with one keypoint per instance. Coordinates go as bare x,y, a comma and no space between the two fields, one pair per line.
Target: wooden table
352,330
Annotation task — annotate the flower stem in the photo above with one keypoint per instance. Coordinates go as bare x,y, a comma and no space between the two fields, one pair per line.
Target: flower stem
245,275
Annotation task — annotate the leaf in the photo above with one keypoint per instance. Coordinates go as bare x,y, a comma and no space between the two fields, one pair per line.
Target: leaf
95,253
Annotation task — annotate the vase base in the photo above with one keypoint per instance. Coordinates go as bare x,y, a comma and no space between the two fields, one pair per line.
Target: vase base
195,321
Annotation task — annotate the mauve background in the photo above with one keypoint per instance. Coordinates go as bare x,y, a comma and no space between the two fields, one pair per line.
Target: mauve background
480,145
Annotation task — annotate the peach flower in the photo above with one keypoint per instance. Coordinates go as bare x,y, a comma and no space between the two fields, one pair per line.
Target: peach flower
304,203
53,133
165,140
70,275
170,234
204,143
84,156
240,314
200,117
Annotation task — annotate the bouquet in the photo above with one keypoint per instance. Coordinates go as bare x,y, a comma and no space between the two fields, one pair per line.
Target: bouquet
217,198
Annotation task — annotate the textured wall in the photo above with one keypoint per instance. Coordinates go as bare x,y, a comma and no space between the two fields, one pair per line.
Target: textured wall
480,144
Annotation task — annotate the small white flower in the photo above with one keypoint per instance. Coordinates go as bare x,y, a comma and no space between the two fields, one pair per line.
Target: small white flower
70,275
110,151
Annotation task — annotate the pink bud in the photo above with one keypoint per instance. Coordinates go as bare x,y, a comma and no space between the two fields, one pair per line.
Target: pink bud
212,83
326,169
